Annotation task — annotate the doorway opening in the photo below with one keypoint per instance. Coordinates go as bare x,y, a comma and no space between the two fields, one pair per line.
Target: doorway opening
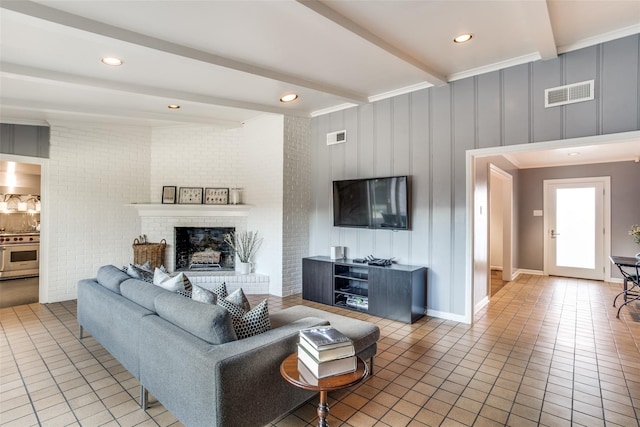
500,228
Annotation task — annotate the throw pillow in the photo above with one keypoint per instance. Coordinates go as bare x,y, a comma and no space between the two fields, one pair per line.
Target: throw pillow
248,324
187,283
238,298
138,272
203,295
172,284
221,291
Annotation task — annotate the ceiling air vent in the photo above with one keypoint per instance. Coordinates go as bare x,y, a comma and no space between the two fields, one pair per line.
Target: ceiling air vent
337,137
568,94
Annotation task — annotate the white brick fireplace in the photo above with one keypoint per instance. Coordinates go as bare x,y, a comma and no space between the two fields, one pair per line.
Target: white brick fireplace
158,222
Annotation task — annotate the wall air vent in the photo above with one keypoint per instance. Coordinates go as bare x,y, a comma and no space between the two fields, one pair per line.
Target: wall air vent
337,137
568,94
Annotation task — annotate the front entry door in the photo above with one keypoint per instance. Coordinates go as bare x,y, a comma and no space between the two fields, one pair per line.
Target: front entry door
575,226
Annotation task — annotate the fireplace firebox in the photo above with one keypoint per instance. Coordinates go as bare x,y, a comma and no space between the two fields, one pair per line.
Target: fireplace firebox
200,248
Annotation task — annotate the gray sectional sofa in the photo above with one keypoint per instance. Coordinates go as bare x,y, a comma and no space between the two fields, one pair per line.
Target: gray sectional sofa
185,353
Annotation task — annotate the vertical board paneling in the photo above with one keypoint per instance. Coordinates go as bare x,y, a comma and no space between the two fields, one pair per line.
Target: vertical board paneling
488,110
464,125
351,147
420,178
441,192
338,152
516,104
322,185
401,144
366,142
619,89
383,156
426,134
581,119
547,122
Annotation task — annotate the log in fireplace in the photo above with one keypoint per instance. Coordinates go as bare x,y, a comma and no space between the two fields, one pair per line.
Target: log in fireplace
203,248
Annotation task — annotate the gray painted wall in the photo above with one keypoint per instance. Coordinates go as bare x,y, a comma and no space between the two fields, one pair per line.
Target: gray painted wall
625,207
426,133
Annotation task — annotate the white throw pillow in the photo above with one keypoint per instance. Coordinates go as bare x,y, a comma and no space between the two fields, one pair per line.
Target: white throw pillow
167,282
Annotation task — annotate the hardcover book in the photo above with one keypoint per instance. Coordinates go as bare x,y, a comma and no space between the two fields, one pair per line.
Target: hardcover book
329,368
325,354
324,337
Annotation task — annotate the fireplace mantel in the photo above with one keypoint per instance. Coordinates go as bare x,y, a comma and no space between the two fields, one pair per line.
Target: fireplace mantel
157,209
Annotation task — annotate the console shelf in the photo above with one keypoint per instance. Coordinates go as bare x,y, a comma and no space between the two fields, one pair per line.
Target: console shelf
396,292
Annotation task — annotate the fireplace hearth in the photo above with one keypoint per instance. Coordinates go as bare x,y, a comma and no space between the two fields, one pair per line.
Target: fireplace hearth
203,249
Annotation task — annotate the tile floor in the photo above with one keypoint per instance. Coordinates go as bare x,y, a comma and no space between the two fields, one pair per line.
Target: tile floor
545,351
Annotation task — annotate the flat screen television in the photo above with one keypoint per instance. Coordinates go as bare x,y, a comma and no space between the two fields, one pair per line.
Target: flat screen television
381,203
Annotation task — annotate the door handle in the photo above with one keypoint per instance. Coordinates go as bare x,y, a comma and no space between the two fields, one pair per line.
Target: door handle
554,234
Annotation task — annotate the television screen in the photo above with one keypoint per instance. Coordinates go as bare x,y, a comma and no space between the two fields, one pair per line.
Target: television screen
372,203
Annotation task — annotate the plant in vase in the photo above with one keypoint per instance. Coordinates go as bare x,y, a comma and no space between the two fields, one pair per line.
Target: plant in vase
635,232
245,244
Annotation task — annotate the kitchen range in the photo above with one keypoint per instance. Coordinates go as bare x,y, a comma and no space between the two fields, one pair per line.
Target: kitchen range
19,254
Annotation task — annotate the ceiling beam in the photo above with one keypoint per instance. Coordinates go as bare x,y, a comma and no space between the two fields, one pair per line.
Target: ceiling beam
432,76
50,14
30,73
540,28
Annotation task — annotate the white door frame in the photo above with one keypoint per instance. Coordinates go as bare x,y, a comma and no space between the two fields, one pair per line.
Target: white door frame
506,149
606,220
43,280
507,223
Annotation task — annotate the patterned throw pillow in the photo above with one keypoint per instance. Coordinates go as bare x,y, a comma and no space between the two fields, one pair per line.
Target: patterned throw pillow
203,295
138,272
248,324
187,283
221,291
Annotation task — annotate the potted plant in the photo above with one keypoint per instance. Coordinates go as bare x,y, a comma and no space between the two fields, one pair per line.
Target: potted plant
635,232
245,244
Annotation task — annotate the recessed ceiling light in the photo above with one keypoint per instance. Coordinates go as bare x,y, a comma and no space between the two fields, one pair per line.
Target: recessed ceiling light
173,106
113,61
574,153
288,98
462,38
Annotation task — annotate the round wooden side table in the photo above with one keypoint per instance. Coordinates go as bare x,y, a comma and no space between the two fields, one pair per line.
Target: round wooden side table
289,371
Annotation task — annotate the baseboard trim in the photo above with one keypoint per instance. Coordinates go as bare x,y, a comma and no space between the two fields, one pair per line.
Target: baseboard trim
447,316
493,267
532,272
481,304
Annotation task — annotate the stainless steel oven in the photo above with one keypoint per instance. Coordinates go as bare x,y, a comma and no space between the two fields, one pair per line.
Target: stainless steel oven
19,255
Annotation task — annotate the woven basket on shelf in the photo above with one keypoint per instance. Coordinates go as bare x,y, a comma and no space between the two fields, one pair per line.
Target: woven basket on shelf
152,252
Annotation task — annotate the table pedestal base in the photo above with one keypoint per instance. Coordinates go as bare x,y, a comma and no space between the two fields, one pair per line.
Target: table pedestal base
323,410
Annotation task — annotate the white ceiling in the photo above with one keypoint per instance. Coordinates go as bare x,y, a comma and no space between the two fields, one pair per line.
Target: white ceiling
226,62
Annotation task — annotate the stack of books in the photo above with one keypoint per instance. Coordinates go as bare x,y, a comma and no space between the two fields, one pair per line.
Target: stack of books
323,352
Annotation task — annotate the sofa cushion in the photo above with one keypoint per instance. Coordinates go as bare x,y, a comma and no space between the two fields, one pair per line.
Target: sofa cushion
247,323
363,334
206,321
111,277
142,293
203,295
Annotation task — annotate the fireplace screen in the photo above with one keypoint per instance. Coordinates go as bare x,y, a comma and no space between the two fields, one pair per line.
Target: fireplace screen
199,248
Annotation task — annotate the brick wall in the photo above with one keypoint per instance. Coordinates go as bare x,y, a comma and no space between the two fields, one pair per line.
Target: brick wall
296,203
195,156
91,176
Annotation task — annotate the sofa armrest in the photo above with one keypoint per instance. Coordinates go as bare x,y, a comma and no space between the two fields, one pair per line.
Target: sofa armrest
233,384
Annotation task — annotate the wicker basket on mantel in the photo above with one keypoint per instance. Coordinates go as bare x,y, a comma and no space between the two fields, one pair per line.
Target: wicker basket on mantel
152,252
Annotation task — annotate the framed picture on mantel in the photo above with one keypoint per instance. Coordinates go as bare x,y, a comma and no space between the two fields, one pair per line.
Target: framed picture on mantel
216,196
190,195
168,195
